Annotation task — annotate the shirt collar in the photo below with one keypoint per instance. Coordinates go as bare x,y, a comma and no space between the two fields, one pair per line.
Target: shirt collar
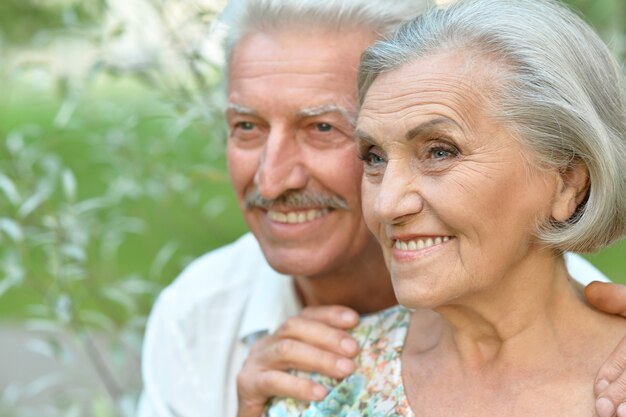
273,299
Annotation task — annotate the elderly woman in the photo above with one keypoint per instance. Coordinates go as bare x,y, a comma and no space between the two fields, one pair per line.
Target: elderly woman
513,111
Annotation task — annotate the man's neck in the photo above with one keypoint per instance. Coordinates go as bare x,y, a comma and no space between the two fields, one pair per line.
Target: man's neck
363,285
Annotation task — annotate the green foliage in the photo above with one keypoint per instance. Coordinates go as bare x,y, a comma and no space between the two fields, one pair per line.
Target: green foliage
608,17
112,178
21,21
98,214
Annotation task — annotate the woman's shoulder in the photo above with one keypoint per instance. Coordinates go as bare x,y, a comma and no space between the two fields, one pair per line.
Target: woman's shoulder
376,385
381,335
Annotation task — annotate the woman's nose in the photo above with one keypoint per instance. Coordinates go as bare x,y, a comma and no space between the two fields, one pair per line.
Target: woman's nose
399,196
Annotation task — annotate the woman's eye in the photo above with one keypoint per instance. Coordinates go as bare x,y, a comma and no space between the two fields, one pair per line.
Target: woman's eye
439,153
372,158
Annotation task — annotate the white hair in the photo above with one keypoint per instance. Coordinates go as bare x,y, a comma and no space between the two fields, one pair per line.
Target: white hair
560,92
378,16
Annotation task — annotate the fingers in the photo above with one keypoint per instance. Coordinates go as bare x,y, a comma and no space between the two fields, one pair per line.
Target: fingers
314,341
280,384
607,297
337,316
289,354
317,333
610,385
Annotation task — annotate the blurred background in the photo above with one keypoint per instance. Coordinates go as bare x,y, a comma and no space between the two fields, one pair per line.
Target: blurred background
112,178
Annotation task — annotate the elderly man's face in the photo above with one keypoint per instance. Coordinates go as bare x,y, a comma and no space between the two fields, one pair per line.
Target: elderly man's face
450,194
291,154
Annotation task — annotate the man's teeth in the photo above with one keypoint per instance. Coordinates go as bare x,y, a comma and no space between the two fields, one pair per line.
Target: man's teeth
297,216
417,244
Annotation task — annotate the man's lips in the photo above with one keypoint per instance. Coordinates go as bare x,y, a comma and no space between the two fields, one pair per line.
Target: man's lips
297,216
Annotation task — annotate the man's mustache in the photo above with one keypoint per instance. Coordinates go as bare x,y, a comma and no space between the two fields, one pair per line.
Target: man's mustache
295,199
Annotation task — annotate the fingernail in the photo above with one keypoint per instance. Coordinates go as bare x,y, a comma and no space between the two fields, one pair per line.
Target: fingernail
318,393
601,385
604,407
345,365
621,410
348,345
349,317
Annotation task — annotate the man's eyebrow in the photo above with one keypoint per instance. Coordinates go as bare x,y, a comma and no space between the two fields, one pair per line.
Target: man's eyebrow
241,109
430,125
328,108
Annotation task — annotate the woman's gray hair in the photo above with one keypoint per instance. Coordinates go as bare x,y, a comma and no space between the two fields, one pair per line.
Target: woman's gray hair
380,16
560,91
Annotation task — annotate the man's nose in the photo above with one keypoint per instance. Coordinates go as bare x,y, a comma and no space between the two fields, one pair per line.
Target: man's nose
282,167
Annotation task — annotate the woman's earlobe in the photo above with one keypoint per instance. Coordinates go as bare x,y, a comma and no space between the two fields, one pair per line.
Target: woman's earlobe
572,190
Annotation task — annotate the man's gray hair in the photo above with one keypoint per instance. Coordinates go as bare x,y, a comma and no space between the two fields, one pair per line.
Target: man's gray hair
378,16
559,90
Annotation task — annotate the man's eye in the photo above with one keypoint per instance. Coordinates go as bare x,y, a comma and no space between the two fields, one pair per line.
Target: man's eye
324,127
245,125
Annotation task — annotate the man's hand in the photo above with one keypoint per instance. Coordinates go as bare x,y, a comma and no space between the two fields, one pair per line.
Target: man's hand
315,341
610,384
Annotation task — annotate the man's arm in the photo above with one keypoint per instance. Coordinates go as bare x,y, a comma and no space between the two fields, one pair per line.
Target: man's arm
610,383
315,341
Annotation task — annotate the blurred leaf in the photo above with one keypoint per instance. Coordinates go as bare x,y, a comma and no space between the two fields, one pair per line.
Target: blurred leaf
64,308
69,184
42,325
91,204
98,320
75,252
9,189
42,347
32,203
121,297
42,384
12,229
11,394
164,255
5,285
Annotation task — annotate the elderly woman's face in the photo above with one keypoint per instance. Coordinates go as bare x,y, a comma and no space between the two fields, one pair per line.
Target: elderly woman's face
451,196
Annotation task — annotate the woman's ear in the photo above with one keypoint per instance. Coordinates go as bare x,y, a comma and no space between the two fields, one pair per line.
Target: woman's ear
572,188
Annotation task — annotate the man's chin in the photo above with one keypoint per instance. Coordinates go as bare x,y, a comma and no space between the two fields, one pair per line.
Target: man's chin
295,261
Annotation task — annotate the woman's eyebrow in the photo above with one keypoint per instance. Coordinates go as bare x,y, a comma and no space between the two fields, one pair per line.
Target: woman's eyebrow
361,136
429,125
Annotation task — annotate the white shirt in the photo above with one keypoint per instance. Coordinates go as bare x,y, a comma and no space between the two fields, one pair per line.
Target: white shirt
202,326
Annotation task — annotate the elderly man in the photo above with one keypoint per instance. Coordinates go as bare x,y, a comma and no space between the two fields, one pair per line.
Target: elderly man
292,67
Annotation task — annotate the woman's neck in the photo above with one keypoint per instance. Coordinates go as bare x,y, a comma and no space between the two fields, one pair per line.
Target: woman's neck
507,319
527,346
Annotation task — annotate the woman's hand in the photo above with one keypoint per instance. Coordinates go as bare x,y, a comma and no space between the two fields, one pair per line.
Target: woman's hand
610,384
315,341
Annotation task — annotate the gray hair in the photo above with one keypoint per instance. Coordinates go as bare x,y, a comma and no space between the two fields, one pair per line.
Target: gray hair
379,17
561,94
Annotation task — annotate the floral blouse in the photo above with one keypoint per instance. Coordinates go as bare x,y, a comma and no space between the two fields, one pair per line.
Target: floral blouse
375,389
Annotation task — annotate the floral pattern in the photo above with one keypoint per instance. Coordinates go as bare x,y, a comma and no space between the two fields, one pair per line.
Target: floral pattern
375,389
